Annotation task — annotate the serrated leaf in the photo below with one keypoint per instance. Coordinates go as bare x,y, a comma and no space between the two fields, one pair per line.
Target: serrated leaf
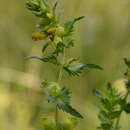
70,25
63,102
93,66
69,109
74,67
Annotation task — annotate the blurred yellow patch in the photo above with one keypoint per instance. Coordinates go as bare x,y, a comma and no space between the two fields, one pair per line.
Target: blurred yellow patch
4,100
120,86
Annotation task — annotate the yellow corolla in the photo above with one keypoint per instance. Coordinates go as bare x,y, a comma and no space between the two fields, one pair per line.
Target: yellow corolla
51,31
38,36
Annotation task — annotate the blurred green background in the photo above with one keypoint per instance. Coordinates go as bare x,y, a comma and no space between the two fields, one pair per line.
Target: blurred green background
103,38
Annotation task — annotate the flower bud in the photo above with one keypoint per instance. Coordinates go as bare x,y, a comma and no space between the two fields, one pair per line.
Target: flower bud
49,15
48,123
52,88
60,31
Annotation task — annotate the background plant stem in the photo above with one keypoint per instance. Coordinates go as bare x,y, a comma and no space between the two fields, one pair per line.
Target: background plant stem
122,108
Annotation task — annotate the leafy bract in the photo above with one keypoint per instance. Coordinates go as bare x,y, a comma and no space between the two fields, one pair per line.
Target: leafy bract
74,67
63,102
39,7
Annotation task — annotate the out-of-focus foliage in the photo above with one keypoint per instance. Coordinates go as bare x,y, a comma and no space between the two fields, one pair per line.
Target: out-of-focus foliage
112,104
104,35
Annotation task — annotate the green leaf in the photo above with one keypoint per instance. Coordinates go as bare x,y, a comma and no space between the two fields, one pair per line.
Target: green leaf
127,108
51,59
34,57
93,66
45,47
74,67
63,102
68,26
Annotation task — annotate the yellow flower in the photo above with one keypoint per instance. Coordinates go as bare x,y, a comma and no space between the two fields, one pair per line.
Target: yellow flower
38,36
51,31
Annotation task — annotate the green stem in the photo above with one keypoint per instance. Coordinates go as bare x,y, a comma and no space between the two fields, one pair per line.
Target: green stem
61,68
59,79
118,119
